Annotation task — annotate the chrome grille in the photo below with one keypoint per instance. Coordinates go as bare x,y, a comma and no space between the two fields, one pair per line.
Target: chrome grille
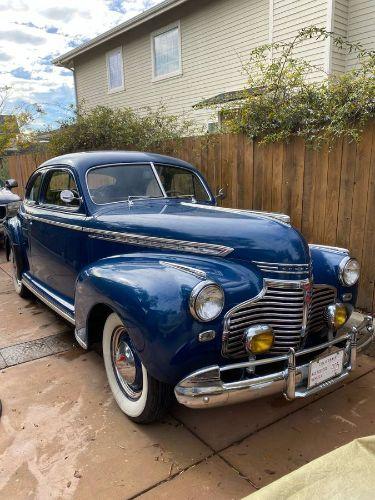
282,307
323,295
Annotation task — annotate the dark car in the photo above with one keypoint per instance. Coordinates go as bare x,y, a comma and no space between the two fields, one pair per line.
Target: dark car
8,201
216,304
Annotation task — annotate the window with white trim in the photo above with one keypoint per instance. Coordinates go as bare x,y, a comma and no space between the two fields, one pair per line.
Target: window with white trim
115,70
166,52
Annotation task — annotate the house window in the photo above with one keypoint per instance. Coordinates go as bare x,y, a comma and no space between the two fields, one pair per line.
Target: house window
115,70
166,52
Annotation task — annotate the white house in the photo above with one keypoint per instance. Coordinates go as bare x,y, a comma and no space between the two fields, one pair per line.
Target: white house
181,52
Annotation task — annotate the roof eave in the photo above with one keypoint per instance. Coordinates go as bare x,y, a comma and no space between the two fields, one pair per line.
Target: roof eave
66,60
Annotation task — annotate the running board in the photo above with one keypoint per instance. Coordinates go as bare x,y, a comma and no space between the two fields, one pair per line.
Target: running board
33,288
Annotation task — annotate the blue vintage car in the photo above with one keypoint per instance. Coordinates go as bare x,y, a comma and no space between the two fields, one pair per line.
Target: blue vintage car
213,305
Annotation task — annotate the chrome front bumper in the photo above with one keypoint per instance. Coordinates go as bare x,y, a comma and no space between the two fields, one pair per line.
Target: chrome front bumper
204,388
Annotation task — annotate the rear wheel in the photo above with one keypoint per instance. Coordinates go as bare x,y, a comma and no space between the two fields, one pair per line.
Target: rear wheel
141,397
18,285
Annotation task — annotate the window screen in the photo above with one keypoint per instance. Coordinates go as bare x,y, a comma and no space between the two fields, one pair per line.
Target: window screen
166,48
115,70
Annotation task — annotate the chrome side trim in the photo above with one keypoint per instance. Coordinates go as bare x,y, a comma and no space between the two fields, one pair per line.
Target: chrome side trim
142,240
187,269
55,223
329,248
48,302
156,242
268,215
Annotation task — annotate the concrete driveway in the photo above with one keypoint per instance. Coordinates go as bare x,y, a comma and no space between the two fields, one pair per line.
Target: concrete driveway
61,434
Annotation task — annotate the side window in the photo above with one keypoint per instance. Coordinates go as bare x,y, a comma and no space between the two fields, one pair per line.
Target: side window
57,181
33,189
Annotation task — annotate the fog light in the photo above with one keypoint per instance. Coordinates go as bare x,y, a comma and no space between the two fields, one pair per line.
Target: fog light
259,339
337,315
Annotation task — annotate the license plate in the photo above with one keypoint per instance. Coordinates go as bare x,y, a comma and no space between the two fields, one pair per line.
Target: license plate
326,368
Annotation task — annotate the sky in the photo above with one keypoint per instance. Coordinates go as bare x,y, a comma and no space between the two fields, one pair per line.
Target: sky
33,32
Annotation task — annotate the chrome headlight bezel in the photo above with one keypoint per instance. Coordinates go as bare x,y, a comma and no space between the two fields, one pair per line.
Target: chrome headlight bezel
197,293
343,267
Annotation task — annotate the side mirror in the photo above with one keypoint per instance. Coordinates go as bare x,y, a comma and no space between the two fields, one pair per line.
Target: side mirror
220,194
68,196
11,183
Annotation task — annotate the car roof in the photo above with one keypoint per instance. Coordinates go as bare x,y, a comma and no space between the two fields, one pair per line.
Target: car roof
85,160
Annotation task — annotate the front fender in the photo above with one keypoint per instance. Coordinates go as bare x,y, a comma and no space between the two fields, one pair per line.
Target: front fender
152,298
325,266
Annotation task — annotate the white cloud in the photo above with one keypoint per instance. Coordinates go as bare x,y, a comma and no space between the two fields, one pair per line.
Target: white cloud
33,32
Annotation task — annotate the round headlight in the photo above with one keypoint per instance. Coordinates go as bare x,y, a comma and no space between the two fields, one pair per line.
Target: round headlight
206,301
349,271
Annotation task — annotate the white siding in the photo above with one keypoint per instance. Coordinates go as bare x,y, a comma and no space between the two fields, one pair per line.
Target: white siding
361,26
216,40
290,16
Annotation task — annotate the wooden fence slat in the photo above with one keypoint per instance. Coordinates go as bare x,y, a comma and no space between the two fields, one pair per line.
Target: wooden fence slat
367,283
333,193
320,192
277,176
346,193
309,184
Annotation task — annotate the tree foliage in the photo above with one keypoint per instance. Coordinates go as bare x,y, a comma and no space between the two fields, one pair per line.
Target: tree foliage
280,100
15,121
115,129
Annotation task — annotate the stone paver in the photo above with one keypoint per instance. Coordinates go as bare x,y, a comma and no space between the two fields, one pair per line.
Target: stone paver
318,428
24,320
2,362
34,349
62,435
211,479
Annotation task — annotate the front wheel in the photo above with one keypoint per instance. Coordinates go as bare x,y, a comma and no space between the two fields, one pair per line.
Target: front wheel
141,397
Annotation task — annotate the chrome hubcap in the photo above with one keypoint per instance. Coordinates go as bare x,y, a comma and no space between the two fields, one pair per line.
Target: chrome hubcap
127,367
124,361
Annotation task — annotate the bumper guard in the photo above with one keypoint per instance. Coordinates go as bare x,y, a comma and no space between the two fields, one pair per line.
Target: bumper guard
204,388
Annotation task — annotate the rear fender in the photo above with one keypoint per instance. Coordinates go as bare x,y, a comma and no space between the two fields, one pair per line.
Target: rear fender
151,295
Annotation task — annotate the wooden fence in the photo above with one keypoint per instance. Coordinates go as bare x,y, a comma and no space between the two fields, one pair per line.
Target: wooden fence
329,194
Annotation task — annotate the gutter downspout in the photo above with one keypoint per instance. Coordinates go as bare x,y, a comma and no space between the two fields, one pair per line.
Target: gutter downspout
329,40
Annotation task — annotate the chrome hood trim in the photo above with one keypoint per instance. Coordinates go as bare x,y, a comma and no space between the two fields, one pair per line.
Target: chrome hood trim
268,215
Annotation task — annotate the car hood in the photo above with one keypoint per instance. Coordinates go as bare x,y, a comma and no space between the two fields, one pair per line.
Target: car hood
6,196
253,236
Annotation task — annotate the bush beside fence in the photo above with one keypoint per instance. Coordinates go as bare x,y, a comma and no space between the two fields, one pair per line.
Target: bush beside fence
329,194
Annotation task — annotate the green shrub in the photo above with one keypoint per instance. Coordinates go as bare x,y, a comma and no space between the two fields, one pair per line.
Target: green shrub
103,128
279,100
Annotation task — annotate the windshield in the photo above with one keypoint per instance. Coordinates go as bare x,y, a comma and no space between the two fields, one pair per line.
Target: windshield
116,183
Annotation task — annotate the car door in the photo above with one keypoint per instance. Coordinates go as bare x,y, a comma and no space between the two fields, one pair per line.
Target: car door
31,199
57,243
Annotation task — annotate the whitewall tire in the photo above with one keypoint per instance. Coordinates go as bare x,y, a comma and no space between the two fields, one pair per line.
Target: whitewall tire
141,397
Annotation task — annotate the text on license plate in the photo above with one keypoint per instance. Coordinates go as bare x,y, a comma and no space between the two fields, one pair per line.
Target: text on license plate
326,368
